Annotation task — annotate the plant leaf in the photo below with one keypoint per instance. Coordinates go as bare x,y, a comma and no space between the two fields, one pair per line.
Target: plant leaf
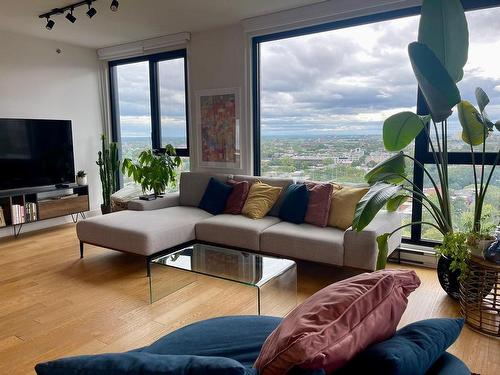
497,125
372,203
396,201
383,250
481,98
400,130
388,170
439,89
474,131
443,28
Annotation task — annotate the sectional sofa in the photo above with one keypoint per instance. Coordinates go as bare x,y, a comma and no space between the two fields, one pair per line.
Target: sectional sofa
151,227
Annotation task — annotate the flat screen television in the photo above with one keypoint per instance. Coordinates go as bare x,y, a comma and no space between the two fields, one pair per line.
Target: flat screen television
35,153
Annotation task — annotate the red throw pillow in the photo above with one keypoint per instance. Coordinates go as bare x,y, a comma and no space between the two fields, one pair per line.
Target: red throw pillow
320,198
338,322
237,198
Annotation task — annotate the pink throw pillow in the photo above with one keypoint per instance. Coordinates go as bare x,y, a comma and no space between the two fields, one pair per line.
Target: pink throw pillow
320,198
237,198
328,329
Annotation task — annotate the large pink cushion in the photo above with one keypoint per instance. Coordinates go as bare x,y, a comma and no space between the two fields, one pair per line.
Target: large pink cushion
237,198
320,197
338,322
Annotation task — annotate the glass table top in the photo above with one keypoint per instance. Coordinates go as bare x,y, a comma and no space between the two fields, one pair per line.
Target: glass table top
235,265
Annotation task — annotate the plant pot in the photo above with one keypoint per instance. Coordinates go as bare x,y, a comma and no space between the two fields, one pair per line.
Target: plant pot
80,181
105,209
448,279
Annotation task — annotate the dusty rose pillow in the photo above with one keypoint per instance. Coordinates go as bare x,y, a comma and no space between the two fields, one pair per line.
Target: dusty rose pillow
237,198
320,198
338,322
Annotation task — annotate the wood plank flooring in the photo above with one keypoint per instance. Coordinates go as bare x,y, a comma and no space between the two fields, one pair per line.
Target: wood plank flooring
53,304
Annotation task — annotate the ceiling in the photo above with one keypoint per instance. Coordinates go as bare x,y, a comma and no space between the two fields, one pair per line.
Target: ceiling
135,20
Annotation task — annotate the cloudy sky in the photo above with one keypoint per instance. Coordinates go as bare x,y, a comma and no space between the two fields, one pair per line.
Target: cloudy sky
337,82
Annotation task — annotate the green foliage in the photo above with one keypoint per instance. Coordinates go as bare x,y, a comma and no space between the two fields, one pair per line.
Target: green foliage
443,28
109,165
401,129
396,201
474,132
154,170
81,173
454,247
391,170
383,250
440,91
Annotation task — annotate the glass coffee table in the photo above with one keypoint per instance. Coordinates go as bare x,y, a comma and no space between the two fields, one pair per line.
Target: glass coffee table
273,279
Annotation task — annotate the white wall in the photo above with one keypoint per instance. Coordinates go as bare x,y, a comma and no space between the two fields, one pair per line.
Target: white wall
37,82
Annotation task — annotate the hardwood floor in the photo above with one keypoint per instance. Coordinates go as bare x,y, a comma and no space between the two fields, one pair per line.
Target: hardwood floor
53,304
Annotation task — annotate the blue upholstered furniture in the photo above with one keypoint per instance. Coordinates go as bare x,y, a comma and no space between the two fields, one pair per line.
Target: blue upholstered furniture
225,346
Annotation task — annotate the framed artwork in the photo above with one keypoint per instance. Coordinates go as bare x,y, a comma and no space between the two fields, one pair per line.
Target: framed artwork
218,119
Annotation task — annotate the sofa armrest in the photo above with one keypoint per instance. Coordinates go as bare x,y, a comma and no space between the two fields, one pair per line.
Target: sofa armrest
360,248
168,200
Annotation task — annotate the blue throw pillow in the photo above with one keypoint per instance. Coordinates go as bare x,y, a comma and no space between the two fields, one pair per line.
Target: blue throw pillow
294,206
142,363
215,197
411,351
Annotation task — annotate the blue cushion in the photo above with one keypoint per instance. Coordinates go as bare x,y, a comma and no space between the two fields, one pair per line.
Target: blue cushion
448,364
236,337
215,197
142,363
294,206
412,350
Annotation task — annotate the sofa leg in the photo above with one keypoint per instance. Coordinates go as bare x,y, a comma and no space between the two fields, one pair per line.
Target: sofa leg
81,249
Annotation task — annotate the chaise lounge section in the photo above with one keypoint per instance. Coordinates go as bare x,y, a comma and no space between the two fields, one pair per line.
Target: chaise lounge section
151,227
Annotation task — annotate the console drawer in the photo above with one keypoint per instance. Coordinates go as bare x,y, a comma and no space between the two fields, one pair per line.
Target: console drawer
61,207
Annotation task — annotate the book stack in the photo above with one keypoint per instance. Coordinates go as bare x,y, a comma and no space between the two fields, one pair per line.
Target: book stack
17,214
2,218
30,212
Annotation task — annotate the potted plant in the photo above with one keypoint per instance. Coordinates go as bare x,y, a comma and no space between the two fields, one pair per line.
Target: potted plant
154,170
437,59
81,178
109,165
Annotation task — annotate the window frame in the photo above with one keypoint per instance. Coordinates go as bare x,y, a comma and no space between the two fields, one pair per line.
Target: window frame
421,151
154,96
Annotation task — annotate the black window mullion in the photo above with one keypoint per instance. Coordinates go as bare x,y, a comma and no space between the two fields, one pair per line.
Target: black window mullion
155,105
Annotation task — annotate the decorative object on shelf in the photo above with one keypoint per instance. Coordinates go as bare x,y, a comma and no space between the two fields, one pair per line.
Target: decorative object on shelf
81,178
70,9
480,297
218,118
154,170
109,165
437,60
2,218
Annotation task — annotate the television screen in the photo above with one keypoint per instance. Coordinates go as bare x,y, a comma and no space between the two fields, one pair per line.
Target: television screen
35,153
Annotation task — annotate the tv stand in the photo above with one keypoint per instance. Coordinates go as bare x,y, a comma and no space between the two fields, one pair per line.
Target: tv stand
62,186
24,206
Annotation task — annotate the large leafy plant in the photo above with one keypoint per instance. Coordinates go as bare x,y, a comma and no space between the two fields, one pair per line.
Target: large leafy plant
437,59
154,170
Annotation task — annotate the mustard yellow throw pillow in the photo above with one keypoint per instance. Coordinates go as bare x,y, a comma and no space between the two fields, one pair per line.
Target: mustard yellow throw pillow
343,205
261,198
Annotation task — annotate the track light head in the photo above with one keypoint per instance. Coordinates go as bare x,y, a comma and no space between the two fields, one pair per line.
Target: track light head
92,11
50,24
70,17
114,5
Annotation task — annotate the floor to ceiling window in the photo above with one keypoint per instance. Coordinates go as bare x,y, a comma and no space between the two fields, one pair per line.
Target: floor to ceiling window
149,106
321,95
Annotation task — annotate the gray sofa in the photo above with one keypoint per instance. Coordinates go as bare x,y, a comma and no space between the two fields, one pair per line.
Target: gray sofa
150,227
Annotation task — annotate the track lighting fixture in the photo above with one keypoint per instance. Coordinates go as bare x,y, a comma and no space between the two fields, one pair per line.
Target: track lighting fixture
114,5
91,12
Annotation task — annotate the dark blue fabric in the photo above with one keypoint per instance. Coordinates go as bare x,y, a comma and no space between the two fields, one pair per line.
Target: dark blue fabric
142,363
215,197
411,351
294,206
448,364
236,337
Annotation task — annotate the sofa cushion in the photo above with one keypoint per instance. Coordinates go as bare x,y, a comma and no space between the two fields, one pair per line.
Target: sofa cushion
335,324
237,198
279,182
343,205
260,200
192,186
318,207
234,230
215,197
294,206
142,232
412,350
304,241
133,363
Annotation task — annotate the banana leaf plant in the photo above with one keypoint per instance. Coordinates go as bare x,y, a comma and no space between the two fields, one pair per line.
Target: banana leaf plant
437,60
